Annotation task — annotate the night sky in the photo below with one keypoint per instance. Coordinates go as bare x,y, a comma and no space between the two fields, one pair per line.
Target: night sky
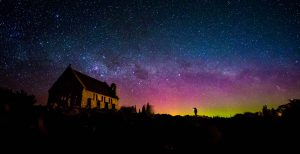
223,57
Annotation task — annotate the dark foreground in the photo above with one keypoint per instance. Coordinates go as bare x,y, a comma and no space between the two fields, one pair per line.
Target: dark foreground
44,130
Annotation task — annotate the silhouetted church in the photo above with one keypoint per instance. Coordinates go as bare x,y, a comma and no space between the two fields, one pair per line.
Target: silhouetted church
75,89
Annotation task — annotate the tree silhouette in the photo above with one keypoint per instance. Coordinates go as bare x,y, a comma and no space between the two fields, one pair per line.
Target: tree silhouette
18,101
135,109
143,109
149,109
292,109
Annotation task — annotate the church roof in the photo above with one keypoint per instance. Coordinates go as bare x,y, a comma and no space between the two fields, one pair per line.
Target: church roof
95,85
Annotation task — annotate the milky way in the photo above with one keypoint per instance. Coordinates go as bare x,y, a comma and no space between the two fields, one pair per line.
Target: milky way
223,57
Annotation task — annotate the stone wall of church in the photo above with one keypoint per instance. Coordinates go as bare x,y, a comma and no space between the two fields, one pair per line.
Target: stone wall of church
95,100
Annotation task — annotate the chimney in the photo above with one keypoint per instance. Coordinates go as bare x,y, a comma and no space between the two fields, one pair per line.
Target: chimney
113,88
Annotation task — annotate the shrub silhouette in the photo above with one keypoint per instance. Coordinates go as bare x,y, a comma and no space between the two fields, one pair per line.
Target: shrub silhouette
16,101
291,110
128,131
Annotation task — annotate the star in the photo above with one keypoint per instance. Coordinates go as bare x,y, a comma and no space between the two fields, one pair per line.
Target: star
165,52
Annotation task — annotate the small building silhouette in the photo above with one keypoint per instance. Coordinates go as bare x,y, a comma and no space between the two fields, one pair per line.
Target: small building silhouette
74,89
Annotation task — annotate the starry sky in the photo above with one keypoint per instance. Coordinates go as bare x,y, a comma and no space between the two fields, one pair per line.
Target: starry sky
223,57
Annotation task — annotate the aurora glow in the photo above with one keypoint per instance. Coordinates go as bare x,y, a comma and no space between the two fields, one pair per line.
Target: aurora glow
223,57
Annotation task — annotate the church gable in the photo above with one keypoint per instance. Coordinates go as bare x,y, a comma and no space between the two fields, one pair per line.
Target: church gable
67,82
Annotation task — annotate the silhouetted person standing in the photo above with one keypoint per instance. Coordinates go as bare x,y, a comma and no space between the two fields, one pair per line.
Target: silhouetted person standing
195,111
